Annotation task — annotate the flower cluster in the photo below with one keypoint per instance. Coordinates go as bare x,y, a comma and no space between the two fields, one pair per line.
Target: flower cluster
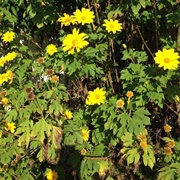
8,36
167,58
76,41
96,97
143,140
8,57
83,16
6,76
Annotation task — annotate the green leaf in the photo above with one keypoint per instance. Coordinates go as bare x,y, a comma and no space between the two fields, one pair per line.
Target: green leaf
143,3
41,129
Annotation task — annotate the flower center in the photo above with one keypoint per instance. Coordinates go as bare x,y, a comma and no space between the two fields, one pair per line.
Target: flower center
83,17
97,96
166,60
112,26
74,42
68,20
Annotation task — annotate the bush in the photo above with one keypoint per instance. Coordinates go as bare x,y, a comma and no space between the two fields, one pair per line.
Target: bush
89,90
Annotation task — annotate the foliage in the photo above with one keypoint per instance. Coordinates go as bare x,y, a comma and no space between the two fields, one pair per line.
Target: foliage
81,93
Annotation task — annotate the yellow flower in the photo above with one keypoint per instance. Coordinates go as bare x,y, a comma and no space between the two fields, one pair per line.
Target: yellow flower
167,128
168,151
66,20
103,167
120,103
4,101
51,49
3,60
11,56
124,46
3,78
74,41
43,3
54,79
129,94
167,58
84,16
143,144
171,143
85,134
10,127
10,76
68,114
8,36
52,175
112,25
96,97
142,137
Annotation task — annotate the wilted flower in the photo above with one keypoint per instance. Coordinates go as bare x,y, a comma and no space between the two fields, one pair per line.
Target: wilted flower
40,60
31,96
49,72
83,151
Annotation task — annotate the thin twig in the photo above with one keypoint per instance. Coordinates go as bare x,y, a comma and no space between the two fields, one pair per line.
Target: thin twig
144,41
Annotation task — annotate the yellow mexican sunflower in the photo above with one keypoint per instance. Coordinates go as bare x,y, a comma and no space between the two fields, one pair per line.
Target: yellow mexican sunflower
85,134
68,114
171,143
10,76
167,128
96,97
11,56
85,16
54,79
4,101
129,94
8,36
74,41
143,144
120,103
51,49
3,60
66,20
52,175
112,25
10,127
168,151
3,78
167,58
